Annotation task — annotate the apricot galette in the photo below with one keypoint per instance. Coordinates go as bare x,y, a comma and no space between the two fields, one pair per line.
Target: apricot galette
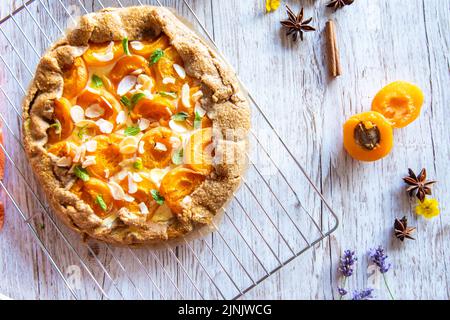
135,128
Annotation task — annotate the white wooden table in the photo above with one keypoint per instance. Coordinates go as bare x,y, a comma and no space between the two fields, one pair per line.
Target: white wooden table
380,41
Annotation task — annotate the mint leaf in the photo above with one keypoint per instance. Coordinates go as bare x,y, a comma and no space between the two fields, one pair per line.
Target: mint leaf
125,46
82,131
138,165
197,121
180,116
156,55
157,197
81,173
136,98
168,94
57,126
177,157
97,82
132,131
126,102
99,200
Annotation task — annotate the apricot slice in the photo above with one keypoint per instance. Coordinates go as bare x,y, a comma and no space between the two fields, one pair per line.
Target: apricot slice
199,151
158,148
165,69
75,78
156,108
97,194
147,48
105,100
177,184
102,54
400,103
61,149
107,157
63,127
127,65
368,136
141,195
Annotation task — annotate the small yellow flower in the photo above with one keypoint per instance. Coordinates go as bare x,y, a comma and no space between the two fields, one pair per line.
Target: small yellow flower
272,5
429,208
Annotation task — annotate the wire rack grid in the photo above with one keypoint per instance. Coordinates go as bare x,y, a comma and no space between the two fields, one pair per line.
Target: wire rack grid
277,214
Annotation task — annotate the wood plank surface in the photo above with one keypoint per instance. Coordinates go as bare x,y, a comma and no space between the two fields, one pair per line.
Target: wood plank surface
380,41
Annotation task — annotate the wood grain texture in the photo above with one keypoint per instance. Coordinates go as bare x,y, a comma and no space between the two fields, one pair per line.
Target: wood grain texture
380,41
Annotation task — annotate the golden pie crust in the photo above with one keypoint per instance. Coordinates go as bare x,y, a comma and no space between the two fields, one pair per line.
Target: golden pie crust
223,99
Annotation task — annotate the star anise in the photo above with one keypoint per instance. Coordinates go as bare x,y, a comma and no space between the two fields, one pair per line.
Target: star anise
337,4
401,229
418,184
296,25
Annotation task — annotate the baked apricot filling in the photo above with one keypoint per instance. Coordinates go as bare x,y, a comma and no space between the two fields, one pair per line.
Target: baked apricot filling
131,130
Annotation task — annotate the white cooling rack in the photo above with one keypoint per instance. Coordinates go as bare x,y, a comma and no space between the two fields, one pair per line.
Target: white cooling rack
277,214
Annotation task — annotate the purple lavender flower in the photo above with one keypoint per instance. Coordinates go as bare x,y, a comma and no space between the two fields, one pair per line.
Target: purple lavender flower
346,263
378,257
365,294
342,292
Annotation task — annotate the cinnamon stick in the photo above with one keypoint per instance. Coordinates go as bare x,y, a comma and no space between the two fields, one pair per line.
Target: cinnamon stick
334,63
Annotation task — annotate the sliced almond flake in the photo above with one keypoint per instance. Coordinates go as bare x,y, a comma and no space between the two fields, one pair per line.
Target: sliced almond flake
156,175
107,56
186,200
137,177
77,114
105,126
160,147
91,145
141,147
177,127
94,111
143,124
126,84
180,71
162,214
121,175
198,109
143,208
64,162
176,142
127,162
86,123
197,95
138,87
89,161
82,153
128,149
132,186
148,94
109,221
128,198
146,82
137,45
185,98
137,72
168,80
121,117
107,173
116,191
77,156
120,132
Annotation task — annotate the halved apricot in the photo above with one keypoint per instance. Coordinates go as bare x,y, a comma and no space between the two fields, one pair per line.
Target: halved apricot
400,102
141,195
156,108
63,127
147,48
61,149
97,194
107,157
165,69
127,65
75,78
111,107
158,148
177,184
368,136
102,54
199,151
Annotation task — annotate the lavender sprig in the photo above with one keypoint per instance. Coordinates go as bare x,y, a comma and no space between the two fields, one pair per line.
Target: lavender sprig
347,262
365,294
378,257
346,269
